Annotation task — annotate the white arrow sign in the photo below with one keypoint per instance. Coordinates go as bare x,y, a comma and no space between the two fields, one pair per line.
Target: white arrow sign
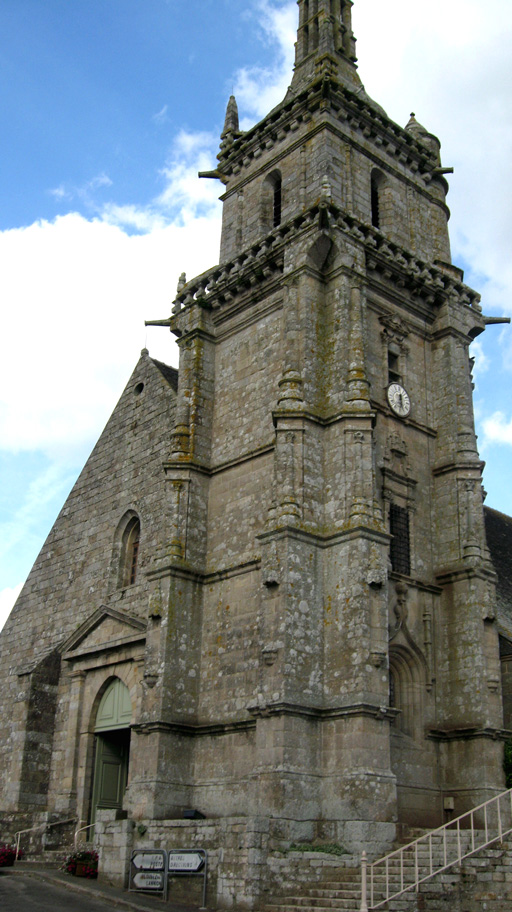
185,861
148,880
149,861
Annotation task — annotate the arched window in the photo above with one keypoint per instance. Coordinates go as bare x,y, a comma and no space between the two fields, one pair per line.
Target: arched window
129,553
272,201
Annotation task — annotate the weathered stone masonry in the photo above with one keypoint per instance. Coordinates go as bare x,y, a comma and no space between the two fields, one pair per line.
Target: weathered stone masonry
309,641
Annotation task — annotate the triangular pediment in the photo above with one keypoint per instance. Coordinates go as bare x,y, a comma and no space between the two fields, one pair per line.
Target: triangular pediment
105,629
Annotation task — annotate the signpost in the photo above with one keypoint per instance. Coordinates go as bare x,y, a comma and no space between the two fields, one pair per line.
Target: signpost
148,871
184,862
193,862
149,880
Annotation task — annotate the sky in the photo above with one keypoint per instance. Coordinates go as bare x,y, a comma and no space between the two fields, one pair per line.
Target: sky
109,108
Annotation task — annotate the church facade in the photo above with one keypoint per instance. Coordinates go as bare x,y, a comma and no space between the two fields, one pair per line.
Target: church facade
267,612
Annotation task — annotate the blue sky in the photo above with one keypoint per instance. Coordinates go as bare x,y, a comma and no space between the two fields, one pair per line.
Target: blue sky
108,110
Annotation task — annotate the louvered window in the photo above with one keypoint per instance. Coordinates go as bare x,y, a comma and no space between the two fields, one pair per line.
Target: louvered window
400,541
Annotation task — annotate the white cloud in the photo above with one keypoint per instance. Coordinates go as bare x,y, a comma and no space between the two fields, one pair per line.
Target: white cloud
60,193
101,180
138,218
161,116
482,363
184,196
497,429
84,194
52,483
8,597
257,89
82,290
78,292
454,69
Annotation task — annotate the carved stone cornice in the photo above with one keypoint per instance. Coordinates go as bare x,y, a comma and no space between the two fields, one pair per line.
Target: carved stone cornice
255,268
468,734
193,729
281,708
352,108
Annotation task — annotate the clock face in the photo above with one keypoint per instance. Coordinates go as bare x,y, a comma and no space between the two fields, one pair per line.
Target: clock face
399,400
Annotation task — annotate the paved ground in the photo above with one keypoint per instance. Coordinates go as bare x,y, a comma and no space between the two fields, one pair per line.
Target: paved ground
34,888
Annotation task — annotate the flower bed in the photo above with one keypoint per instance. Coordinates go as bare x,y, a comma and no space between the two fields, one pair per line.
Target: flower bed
8,855
83,863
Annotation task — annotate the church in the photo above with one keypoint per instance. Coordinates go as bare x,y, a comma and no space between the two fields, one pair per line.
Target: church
270,611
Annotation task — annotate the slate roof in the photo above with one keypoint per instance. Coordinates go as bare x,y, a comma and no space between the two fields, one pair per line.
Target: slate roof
498,527
170,373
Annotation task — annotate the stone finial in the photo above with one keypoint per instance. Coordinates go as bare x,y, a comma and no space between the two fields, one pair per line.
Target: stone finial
231,123
415,127
182,281
420,132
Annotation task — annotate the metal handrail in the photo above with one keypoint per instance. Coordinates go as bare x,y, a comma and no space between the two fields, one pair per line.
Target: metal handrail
80,830
425,868
42,827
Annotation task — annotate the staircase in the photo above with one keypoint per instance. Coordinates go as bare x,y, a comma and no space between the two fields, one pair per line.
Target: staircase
468,860
480,879
339,891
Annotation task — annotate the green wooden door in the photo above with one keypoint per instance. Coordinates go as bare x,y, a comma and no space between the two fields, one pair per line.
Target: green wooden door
110,769
112,731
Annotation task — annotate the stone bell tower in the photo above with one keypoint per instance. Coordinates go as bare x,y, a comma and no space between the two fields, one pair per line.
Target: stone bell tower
324,649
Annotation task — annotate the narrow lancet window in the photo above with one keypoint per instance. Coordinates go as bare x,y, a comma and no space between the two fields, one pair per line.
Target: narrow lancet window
271,201
134,554
129,553
375,201
277,201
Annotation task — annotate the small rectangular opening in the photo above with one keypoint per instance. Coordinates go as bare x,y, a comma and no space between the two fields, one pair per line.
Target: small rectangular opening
400,541
277,203
393,368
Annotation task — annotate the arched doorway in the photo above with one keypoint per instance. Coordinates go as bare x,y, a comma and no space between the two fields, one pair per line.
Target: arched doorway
112,740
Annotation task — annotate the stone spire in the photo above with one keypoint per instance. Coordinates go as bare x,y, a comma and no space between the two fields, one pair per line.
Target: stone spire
325,35
231,124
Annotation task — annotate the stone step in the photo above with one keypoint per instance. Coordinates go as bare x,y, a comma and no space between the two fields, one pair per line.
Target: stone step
312,902
53,858
339,888
348,905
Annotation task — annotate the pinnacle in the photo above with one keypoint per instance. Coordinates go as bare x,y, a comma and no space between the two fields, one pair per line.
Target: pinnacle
231,124
420,132
325,42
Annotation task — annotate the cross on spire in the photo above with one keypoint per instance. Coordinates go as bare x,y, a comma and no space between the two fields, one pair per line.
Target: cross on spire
325,30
